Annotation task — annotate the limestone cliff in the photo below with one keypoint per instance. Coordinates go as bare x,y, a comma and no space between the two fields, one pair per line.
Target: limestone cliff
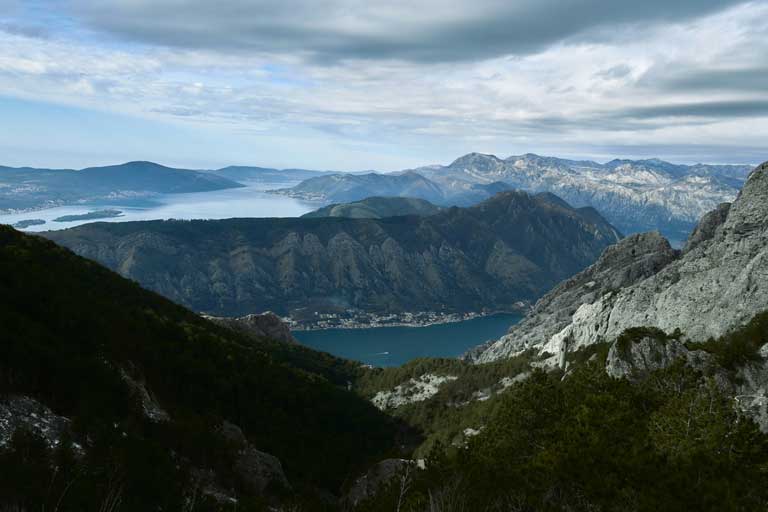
716,285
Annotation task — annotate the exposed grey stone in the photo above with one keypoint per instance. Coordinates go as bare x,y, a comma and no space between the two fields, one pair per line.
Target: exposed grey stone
707,227
625,263
17,411
636,359
378,476
751,389
257,470
149,404
717,286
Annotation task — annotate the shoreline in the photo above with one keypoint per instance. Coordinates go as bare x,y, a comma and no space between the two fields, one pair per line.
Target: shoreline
352,323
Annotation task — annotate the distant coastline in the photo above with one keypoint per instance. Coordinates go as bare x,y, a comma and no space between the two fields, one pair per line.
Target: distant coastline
22,224
361,320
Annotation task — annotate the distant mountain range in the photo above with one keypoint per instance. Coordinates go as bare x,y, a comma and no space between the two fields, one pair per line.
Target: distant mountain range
377,208
634,195
344,188
511,248
267,175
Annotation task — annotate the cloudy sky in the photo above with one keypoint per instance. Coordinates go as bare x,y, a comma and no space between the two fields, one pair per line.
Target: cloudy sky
375,84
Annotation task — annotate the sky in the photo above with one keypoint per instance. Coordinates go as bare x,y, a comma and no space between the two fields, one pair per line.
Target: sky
380,84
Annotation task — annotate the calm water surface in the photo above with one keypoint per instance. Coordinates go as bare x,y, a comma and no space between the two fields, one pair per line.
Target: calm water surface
394,346
383,346
250,201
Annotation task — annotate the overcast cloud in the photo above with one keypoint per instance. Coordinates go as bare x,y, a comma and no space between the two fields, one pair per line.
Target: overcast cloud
393,84
424,30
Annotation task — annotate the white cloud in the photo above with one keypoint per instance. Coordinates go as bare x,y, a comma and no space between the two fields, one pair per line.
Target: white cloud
608,91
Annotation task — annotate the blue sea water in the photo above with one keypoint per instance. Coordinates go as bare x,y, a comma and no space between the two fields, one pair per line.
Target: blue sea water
250,201
394,346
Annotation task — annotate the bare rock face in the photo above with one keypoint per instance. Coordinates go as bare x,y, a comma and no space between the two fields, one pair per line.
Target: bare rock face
623,264
707,227
636,359
751,389
717,285
151,408
748,385
264,325
256,469
24,412
379,475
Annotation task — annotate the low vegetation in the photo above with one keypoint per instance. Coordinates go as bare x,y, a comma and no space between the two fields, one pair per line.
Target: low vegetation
500,437
69,327
466,402
739,347
590,442
586,441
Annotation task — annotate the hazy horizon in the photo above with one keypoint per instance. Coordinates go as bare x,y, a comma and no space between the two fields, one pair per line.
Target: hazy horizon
425,164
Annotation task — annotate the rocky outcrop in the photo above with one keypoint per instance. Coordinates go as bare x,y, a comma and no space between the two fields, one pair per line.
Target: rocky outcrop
377,477
636,359
137,385
511,248
707,227
624,264
256,326
255,469
750,389
22,412
414,390
716,286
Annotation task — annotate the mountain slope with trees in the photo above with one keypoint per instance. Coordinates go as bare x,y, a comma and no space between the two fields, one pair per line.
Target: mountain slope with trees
510,248
160,406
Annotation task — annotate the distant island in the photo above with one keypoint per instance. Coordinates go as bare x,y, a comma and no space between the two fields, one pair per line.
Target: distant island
97,214
23,224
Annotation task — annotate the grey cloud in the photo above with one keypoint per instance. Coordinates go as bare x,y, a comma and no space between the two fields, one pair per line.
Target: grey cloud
614,72
718,80
330,30
705,109
646,118
679,153
24,30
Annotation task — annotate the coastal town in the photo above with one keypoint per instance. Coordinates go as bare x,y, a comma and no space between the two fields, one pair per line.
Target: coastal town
357,319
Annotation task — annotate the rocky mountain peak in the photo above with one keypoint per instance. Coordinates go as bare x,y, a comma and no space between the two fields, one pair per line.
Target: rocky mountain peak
637,255
707,227
715,286
750,209
633,259
477,160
